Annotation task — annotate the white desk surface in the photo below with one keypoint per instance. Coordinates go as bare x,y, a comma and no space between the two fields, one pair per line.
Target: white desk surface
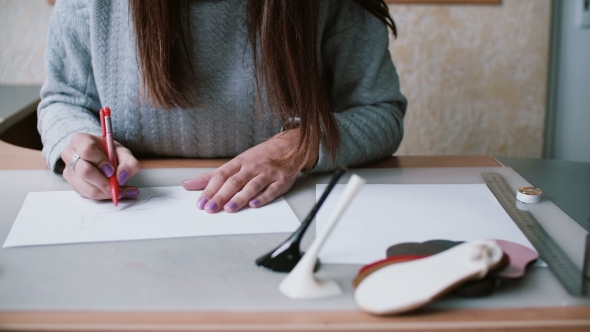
212,274
570,314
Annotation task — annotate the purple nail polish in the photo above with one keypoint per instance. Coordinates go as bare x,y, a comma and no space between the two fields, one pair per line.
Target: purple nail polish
201,203
255,202
107,170
212,206
123,177
132,192
231,206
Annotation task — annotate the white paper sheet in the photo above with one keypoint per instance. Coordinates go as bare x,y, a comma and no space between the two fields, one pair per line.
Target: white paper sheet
382,215
159,212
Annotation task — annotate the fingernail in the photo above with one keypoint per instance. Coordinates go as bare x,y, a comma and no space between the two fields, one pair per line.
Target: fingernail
183,181
201,203
255,202
231,206
123,177
107,170
212,206
132,192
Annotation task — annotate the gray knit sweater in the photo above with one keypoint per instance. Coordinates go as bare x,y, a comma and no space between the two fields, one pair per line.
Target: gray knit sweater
91,62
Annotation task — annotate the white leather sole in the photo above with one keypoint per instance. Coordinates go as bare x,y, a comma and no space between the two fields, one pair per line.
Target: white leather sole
405,286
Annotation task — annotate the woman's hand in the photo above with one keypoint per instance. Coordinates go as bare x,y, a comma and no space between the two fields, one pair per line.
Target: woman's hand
89,178
248,179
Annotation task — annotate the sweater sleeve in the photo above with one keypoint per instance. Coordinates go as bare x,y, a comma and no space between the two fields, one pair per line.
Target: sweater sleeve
364,92
69,99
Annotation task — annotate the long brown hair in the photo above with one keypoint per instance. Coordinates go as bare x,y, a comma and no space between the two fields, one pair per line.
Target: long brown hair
284,31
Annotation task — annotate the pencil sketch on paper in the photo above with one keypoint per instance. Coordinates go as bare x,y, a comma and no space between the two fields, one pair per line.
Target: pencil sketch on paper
57,217
151,203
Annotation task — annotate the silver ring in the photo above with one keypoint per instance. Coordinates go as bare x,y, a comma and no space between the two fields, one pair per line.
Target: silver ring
72,163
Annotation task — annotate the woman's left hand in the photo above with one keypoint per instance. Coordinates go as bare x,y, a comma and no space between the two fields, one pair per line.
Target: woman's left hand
248,179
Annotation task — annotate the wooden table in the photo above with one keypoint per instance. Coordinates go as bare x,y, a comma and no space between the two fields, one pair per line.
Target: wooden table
522,319
14,157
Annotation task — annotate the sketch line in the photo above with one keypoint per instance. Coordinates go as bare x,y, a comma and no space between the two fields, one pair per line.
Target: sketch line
89,217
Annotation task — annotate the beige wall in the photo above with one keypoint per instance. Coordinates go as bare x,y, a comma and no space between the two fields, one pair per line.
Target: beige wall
475,75
23,27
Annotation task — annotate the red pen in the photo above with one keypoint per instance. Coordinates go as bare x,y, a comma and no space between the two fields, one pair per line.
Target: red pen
107,134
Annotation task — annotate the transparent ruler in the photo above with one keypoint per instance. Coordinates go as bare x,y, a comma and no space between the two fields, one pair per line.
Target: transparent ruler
570,276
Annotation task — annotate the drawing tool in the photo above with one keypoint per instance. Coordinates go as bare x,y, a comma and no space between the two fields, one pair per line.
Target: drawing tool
571,277
300,283
107,134
284,257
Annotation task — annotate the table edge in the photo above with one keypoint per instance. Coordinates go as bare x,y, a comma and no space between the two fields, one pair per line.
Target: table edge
19,158
456,319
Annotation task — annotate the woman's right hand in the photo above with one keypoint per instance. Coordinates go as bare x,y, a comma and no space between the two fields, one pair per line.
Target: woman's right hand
89,178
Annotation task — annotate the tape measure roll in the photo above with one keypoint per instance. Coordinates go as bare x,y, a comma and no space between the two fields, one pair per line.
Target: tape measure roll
529,194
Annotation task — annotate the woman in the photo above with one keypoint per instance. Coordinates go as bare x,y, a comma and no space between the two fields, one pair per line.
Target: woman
182,80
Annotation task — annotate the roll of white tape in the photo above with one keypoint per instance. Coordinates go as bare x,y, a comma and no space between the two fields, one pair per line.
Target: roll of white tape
529,194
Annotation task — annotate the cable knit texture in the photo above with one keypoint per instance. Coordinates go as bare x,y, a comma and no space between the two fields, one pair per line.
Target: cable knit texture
91,62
